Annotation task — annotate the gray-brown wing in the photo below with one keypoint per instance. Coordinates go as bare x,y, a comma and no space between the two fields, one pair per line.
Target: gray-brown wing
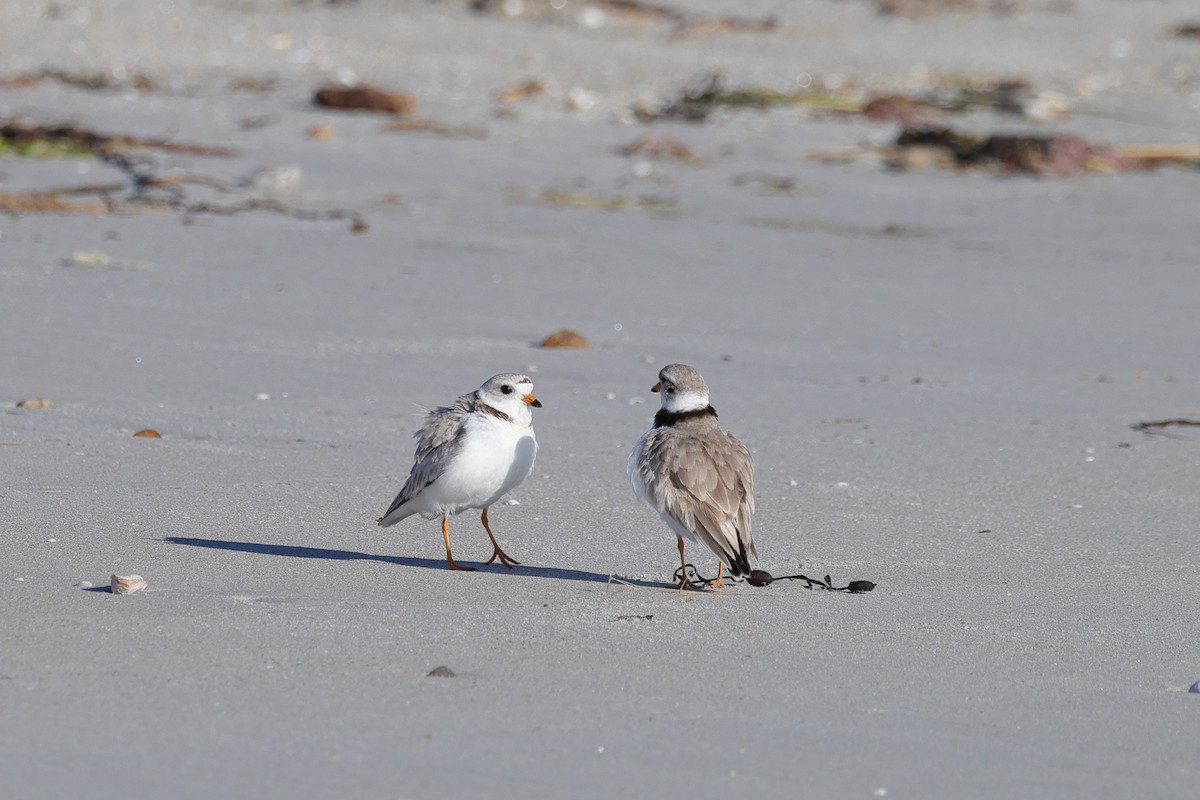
437,440
704,480
441,426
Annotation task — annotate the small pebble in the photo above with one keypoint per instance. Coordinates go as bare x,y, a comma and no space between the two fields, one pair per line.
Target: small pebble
442,672
321,132
84,585
564,338
1195,688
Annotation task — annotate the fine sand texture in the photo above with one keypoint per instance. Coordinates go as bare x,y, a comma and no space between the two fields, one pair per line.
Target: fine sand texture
944,375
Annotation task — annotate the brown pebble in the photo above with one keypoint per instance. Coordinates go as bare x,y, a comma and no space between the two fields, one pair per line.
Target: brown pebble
661,147
34,402
895,108
322,133
442,672
366,98
148,433
521,91
565,338
359,226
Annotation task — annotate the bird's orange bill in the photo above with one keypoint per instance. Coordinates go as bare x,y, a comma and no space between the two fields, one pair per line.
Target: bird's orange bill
656,387
530,400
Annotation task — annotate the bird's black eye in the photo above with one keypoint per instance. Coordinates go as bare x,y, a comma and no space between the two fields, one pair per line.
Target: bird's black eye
506,389
670,390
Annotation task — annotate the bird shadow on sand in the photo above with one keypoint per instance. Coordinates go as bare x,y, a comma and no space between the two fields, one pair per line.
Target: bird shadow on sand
294,551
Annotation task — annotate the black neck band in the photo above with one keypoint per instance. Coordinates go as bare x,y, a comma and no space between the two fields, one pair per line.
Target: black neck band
665,419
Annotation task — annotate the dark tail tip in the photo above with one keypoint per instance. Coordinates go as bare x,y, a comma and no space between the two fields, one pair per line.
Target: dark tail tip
739,562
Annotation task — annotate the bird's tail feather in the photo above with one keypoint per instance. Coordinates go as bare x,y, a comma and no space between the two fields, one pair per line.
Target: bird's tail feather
397,512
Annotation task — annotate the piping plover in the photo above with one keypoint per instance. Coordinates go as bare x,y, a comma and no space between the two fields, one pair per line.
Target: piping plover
695,474
469,455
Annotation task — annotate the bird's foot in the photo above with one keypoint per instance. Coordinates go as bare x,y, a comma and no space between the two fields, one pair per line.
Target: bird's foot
504,557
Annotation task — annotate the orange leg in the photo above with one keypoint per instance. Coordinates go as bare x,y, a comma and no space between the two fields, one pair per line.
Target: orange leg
504,557
684,583
449,558
718,583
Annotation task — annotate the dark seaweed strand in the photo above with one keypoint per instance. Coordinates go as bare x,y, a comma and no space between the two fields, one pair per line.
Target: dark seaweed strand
759,577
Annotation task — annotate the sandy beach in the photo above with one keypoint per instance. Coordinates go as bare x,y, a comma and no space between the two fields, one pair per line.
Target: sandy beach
944,371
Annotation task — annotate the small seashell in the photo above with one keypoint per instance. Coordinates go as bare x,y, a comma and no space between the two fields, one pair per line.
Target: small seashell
34,402
127,584
1195,688
442,672
147,433
564,338
286,176
580,99
84,585
89,258
102,260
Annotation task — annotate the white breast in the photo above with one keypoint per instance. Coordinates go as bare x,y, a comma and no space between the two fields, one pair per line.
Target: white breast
495,457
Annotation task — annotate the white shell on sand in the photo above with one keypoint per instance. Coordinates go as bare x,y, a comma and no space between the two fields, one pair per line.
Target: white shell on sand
127,584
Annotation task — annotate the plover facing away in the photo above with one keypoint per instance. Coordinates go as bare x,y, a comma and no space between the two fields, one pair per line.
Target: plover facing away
695,474
469,455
